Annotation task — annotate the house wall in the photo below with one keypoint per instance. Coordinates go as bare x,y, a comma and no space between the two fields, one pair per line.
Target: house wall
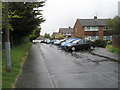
80,33
91,33
100,32
78,30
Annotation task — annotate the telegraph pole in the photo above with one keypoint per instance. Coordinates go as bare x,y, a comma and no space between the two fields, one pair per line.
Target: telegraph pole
7,39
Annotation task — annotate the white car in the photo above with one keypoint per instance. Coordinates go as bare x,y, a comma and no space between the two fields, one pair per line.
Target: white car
35,41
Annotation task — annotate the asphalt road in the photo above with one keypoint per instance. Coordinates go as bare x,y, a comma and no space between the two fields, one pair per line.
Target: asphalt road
50,67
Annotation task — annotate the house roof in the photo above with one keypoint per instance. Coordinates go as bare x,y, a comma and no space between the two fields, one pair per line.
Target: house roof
54,33
65,30
93,22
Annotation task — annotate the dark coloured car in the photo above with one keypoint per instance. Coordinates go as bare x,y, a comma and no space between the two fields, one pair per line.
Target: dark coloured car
80,45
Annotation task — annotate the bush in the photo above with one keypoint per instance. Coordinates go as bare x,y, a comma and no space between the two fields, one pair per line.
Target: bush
113,50
100,43
109,42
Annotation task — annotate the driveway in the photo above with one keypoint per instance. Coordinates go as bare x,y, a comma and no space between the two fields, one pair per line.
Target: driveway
50,67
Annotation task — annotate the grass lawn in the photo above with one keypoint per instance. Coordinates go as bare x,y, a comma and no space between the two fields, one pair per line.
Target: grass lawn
18,55
113,50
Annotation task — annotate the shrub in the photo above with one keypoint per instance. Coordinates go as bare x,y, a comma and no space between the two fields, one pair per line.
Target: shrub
109,42
100,43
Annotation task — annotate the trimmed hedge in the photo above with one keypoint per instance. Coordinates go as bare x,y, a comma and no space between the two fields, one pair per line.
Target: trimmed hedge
100,43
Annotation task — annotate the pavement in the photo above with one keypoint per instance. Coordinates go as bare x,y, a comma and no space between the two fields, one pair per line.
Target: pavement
49,67
105,53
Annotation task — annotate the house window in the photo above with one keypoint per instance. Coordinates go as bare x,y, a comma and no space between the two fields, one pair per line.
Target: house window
104,28
93,38
107,37
91,28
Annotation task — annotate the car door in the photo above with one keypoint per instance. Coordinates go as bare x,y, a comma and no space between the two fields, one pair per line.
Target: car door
86,44
83,44
79,45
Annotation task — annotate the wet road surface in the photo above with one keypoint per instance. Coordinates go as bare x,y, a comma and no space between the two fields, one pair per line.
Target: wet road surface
50,67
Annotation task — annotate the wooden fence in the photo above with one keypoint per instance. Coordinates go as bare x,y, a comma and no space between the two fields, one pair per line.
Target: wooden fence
116,41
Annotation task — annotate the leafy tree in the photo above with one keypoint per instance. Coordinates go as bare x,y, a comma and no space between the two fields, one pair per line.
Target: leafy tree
35,34
47,35
24,20
114,25
60,36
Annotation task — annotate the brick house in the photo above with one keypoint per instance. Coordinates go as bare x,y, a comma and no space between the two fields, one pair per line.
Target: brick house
91,29
66,31
54,35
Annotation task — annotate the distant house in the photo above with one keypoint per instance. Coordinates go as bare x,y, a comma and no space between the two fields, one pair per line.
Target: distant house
54,35
66,31
91,29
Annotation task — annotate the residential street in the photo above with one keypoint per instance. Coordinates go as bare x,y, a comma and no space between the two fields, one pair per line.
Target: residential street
47,66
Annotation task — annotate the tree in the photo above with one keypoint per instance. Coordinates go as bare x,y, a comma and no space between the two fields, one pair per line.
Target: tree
35,34
59,36
113,25
24,20
47,35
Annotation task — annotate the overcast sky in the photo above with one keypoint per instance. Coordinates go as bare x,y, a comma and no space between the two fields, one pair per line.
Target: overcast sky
63,13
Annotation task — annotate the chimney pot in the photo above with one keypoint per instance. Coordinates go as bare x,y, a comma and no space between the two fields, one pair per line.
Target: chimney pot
95,17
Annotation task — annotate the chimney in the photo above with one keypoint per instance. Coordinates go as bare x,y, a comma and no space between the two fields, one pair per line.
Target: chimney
95,18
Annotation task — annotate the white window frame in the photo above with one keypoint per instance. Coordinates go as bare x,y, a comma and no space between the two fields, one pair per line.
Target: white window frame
90,37
105,38
90,28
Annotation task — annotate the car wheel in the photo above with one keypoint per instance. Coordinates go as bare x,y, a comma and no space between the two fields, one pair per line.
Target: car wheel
91,47
73,48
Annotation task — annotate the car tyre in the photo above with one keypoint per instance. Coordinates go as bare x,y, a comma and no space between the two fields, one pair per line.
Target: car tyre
73,48
91,47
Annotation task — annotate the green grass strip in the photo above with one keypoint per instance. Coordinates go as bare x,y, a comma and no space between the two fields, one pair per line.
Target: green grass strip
113,50
18,55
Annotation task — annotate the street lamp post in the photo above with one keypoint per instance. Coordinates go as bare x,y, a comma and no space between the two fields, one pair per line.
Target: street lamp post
7,39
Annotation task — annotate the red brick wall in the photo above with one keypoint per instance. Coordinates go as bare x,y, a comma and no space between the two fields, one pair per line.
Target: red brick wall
100,33
81,33
91,33
106,33
78,30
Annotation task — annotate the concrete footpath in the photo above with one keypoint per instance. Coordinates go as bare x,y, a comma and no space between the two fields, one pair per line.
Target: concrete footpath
105,53
34,72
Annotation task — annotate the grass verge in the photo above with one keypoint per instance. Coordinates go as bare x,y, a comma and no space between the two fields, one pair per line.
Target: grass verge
113,50
18,55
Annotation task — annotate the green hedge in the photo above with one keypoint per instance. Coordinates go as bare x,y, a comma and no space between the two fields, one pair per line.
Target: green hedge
100,43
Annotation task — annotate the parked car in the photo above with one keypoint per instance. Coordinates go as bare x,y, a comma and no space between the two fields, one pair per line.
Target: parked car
35,41
68,41
79,45
60,41
52,41
47,40
56,42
